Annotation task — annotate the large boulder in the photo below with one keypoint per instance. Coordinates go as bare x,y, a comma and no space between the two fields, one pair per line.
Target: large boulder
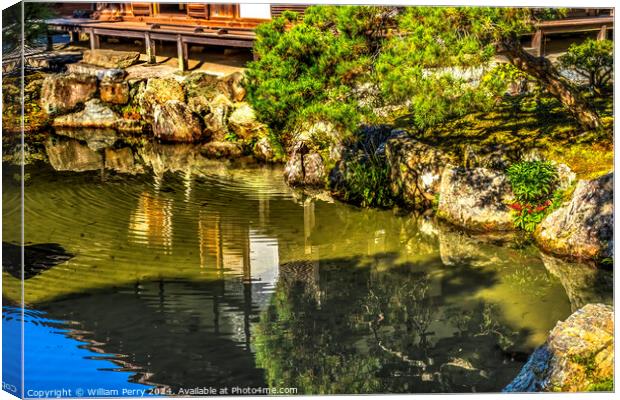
242,121
63,93
216,116
305,169
223,149
173,121
94,115
578,354
156,92
264,150
415,171
110,58
583,228
475,199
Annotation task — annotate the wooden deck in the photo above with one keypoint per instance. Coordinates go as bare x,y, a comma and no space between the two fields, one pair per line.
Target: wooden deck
600,24
183,34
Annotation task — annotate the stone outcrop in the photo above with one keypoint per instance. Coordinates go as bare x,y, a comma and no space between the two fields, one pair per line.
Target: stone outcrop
415,171
173,121
234,85
63,93
221,150
94,115
263,150
217,115
115,92
475,199
156,92
110,58
578,353
583,228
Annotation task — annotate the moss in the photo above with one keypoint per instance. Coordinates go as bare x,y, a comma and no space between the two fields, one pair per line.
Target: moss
604,385
516,130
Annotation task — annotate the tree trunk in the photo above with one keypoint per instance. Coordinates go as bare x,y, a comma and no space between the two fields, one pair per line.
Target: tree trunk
542,69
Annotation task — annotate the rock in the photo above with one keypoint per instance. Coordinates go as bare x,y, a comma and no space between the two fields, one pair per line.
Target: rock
101,73
221,150
584,284
415,171
475,199
216,120
577,353
200,84
110,58
94,115
566,176
156,92
305,169
63,93
71,155
114,92
583,228
173,121
263,150
234,83
243,122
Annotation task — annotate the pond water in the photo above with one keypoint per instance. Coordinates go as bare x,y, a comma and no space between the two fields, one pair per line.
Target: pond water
149,266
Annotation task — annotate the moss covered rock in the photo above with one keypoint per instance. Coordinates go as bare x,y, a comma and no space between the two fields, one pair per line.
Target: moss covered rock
577,356
156,92
63,93
173,121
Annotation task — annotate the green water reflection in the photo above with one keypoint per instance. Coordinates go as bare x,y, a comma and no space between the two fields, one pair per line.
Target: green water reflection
203,272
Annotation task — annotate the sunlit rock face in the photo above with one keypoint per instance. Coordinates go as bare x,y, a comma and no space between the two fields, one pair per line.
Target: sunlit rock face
415,171
475,199
578,353
583,228
63,93
583,283
115,92
157,92
173,121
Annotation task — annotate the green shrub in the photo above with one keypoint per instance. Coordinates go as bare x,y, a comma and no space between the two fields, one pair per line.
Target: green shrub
593,60
533,184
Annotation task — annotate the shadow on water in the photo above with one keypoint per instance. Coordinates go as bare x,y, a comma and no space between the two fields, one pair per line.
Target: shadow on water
37,258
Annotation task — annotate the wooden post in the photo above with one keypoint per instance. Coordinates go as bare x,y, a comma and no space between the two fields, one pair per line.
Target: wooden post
150,48
182,53
537,43
602,34
50,41
94,39
74,37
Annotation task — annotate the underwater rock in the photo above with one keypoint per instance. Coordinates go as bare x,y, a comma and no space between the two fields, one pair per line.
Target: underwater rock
221,150
475,199
110,58
63,93
583,228
579,352
173,121
71,155
584,284
415,171
37,258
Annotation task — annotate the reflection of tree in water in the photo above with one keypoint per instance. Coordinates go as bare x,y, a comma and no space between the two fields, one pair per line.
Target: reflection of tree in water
381,332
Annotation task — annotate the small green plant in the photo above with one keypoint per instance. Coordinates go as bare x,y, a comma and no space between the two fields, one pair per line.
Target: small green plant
533,184
593,60
367,182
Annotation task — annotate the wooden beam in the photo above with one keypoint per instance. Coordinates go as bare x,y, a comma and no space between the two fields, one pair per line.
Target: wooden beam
602,34
94,39
182,53
537,43
150,48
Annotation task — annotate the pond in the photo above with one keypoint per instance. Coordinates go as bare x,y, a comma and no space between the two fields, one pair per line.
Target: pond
151,267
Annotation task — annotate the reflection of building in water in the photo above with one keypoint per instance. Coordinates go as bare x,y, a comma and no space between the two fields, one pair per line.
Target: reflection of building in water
151,222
